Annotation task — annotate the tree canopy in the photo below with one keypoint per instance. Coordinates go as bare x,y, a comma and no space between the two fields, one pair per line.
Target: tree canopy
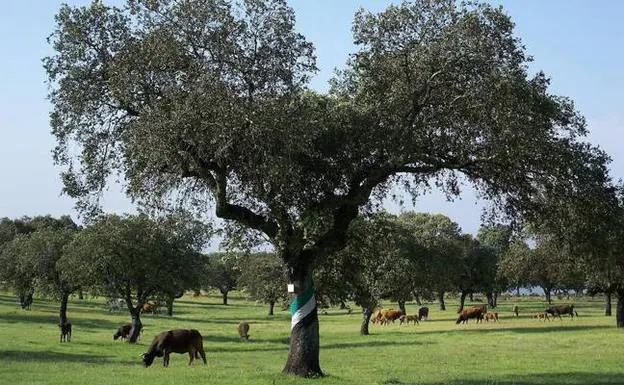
206,104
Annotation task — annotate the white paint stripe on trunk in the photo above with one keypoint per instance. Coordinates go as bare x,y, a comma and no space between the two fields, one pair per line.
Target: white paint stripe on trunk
303,311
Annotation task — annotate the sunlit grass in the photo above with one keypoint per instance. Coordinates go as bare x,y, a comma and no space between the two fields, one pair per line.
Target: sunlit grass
586,350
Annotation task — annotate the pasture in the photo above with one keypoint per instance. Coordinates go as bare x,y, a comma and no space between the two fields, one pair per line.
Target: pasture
587,350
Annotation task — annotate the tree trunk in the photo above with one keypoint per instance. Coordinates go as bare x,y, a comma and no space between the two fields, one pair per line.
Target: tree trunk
303,354
441,300
417,298
136,324
517,291
343,305
547,295
462,301
608,303
170,306
471,297
63,311
366,315
495,297
490,299
224,293
271,306
80,294
619,310
402,307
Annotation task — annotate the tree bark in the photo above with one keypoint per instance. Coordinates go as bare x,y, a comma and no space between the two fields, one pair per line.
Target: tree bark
517,291
303,354
136,324
271,306
80,294
63,310
619,310
462,301
366,315
402,307
490,299
471,297
441,300
608,303
495,296
547,295
224,294
417,298
170,306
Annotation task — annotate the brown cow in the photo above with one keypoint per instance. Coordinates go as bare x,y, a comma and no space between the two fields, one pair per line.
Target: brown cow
558,310
175,341
243,330
124,332
408,318
542,316
148,307
475,312
392,316
66,331
491,316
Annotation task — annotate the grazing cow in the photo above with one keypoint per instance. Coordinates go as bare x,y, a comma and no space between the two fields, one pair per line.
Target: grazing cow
408,318
516,310
542,316
26,301
66,331
558,310
392,315
124,332
175,341
243,330
475,312
148,307
491,316
423,313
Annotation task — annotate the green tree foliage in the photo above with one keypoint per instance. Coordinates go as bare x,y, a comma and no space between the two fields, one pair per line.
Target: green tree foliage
223,273
136,259
497,238
29,249
207,102
263,275
439,235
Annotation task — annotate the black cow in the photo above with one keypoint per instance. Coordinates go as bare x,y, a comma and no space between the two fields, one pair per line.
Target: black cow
558,310
175,341
423,313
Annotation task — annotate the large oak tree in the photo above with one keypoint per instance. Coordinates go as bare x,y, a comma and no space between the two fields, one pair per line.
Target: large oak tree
206,102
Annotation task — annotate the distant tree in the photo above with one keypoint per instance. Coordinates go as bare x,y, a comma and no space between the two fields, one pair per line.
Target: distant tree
263,275
380,261
29,249
498,238
439,235
223,273
134,257
211,103
476,264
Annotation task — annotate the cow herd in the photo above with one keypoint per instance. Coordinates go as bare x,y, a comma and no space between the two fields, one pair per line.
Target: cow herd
190,340
477,312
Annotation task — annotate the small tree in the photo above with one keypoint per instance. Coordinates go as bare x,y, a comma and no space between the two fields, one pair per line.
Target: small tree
29,250
264,275
135,258
223,273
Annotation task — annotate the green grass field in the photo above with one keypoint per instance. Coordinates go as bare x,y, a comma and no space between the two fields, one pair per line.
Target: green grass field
588,350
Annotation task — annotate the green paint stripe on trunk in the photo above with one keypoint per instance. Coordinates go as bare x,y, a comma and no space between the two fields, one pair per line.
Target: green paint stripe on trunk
301,300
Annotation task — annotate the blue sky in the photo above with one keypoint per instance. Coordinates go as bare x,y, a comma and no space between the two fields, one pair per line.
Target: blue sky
579,43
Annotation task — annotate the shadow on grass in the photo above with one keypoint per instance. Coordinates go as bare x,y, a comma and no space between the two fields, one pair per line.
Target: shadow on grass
27,317
229,321
538,329
527,379
27,356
